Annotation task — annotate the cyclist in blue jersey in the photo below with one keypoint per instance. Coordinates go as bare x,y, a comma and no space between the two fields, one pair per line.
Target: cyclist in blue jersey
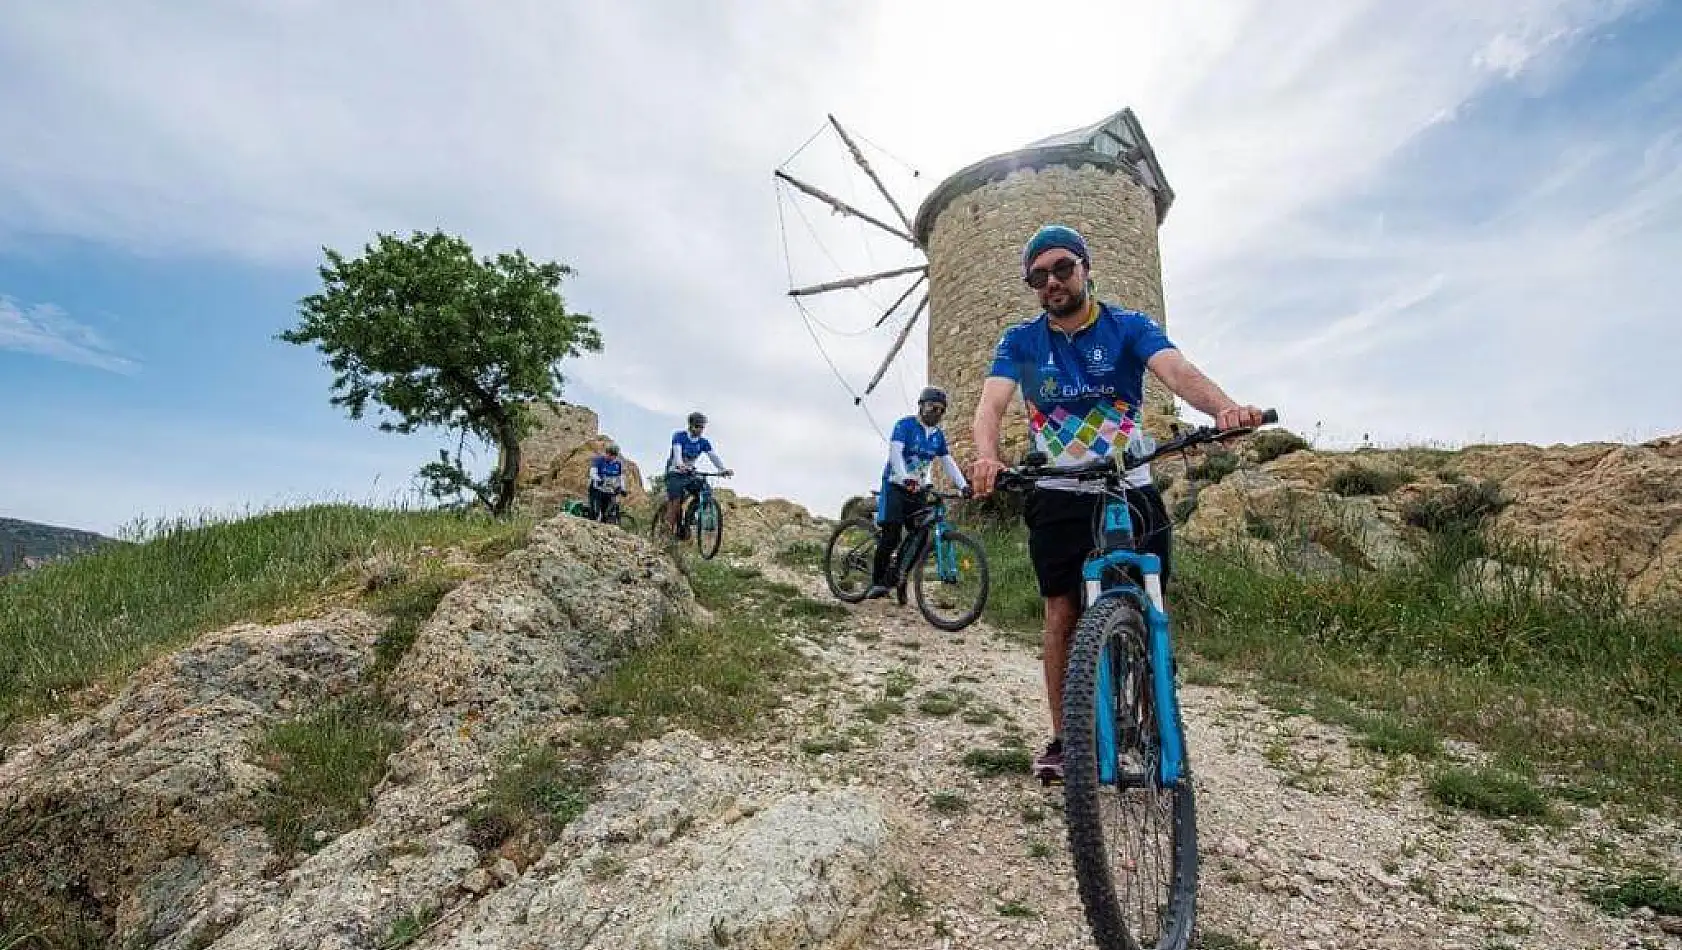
916,442
607,480
1080,368
688,445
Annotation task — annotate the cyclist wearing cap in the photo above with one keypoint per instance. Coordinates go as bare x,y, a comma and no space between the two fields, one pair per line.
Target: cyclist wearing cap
607,481
917,441
687,446
1080,367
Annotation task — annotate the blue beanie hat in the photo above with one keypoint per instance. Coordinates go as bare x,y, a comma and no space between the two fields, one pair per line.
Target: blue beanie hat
1055,235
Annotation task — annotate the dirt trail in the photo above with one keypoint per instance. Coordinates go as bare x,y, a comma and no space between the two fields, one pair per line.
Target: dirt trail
1307,841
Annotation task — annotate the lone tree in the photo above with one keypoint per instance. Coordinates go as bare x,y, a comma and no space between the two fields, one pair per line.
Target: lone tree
439,338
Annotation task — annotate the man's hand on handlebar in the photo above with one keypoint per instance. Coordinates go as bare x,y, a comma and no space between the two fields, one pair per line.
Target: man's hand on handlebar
983,473
1239,417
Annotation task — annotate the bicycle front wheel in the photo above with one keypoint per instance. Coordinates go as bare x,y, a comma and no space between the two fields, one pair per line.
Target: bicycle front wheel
708,526
1134,841
849,559
951,581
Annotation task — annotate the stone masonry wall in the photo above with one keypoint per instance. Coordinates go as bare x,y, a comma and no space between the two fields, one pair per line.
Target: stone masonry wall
975,276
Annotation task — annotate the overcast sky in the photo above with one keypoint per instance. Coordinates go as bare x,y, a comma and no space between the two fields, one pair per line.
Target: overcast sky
1438,221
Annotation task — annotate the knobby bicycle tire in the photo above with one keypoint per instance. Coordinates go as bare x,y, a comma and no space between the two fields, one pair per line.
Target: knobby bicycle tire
829,555
1112,620
707,551
958,540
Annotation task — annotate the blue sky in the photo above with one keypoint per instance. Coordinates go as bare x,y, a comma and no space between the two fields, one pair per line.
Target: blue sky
1444,223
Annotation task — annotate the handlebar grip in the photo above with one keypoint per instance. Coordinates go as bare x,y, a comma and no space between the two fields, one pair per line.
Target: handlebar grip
1270,416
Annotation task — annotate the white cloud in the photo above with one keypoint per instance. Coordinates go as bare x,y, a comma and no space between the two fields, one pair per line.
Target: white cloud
636,142
46,330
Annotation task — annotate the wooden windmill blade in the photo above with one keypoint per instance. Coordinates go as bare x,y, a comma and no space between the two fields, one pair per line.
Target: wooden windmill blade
855,282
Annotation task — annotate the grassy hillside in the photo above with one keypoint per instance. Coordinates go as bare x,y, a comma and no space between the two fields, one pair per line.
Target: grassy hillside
21,539
67,625
1571,692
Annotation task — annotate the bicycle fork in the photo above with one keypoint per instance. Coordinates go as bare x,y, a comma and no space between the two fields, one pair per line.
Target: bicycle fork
1170,742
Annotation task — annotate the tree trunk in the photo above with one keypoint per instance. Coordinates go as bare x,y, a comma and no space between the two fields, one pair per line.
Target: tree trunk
508,475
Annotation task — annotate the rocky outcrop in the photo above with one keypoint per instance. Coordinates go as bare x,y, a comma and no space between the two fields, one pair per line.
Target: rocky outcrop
684,851
555,460
143,823
770,525
1599,507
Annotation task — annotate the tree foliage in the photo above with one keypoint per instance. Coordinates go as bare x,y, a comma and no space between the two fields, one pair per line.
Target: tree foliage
438,338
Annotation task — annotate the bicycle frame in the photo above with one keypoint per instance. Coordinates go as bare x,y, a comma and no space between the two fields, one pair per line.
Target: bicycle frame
703,494
933,531
1117,530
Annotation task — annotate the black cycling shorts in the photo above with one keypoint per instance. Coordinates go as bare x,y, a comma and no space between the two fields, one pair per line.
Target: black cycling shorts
1060,533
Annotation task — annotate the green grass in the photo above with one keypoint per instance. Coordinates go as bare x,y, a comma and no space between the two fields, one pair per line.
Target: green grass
1564,677
948,803
102,615
1359,480
409,604
940,702
1463,507
1489,791
1269,444
1014,605
990,762
898,682
325,763
535,789
1216,465
719,679
1567,679
801,555
881,710
408,928
1644,887
1016,909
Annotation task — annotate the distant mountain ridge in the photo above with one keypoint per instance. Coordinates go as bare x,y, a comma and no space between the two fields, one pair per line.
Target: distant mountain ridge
27,544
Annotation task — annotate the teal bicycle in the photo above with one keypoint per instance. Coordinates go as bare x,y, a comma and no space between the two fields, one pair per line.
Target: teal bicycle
702,517
946,569
1128,802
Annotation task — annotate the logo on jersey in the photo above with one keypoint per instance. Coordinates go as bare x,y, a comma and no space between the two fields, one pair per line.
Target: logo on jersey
1096,356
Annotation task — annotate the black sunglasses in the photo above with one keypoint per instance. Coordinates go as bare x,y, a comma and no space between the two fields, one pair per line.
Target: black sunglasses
1038,277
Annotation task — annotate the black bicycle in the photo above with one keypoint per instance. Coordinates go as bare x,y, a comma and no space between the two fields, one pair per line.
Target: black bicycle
947,568
1125,762
615,514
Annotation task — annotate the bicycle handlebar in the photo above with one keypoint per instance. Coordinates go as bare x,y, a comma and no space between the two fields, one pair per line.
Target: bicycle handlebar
1033,467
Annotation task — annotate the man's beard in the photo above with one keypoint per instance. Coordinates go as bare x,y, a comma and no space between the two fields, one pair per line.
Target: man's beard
1077,303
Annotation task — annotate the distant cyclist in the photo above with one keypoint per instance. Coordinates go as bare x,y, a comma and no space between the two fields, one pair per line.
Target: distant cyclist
607,481
916,442
688,445
1080,367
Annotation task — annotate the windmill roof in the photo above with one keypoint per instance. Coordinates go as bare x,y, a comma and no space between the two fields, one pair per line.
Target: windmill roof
1117,141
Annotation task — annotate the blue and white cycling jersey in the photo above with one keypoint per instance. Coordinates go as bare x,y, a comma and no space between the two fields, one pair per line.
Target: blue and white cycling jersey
605,473
920,445
1082,390
687,448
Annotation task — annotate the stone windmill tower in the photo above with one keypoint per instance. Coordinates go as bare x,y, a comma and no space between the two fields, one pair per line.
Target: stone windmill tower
1103,180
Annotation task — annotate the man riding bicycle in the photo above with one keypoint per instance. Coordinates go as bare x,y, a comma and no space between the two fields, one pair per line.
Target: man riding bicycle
1080,366
681,480
607,481
917,441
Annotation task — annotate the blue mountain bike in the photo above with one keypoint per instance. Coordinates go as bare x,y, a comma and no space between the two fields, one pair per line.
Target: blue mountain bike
1128,801
702,517
946,569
